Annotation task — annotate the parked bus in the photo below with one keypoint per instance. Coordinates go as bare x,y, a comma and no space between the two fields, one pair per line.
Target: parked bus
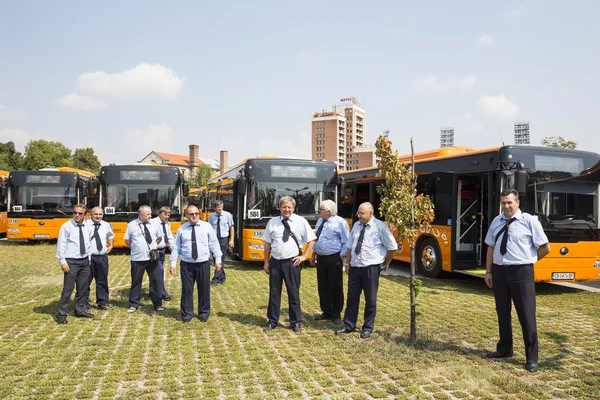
251,190
124,188
559,186
3,201
39,202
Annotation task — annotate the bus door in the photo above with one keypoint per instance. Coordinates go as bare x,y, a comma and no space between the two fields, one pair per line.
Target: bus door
366,192
470,211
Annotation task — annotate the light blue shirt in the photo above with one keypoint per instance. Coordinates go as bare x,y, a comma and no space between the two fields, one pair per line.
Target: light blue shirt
140,249
104,231
273,235
525,235
226,222
333,237
378,240
206,243
157,222
67,245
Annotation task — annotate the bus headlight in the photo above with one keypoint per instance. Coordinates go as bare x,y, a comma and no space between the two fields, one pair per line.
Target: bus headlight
13,230
597,264
256,246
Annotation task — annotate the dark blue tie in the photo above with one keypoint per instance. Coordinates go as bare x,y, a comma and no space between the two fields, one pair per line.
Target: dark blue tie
359,243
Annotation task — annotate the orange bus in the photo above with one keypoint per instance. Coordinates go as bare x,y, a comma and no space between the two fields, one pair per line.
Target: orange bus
3,201
39,202
124,188
559,186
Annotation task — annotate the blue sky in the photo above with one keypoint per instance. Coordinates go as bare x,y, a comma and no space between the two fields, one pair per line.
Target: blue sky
130,77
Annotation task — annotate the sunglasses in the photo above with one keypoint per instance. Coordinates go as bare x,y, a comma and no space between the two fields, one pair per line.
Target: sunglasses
78,213
193,213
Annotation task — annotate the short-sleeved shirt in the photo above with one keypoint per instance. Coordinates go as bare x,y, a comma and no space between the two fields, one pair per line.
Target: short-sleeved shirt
159,225
140,249
525,235
333,237
226,222
67,245
104,231
377,241
273,235
206,243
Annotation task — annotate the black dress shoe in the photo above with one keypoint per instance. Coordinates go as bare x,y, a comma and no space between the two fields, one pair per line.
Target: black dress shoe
86,315
365,333
297,327
268,328
495,354
213,283
337,321
61,321
186,320
532,367
167,298
322,317
105,307
343,331
203,319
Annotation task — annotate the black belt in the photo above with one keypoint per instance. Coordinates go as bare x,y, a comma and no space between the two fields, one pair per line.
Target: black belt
367,266
329,255
513,265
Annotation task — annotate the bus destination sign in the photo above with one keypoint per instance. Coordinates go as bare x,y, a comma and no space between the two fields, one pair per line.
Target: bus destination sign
42,179
289,171
140,175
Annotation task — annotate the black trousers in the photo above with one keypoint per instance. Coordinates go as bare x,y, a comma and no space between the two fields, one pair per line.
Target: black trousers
359,279
99,272
284,271
137,275
199,274
77,278
330,283
516,283
220,277
161,267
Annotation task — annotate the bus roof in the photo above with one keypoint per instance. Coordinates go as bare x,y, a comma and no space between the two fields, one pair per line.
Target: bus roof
69,169
235,169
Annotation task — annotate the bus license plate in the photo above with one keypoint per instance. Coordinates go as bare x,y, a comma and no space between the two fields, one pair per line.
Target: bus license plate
41,236
563,276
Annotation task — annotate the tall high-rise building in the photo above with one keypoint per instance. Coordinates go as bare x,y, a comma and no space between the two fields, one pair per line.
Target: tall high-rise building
447,137
338,132
522,132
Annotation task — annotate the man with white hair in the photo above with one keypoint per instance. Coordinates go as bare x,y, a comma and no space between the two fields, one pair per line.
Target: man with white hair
328,255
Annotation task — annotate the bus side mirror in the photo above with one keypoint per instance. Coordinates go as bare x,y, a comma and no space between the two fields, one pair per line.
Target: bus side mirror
341,186
91,188
242,185
185,189
4,191
520,178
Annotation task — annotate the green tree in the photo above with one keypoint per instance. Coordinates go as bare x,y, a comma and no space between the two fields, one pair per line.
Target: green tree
202,176
559,141
45,154
403,209
10,159
86,160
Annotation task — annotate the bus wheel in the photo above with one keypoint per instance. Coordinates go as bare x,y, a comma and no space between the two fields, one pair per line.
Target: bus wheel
429,259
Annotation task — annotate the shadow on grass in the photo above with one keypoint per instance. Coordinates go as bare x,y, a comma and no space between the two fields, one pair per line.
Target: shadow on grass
246,319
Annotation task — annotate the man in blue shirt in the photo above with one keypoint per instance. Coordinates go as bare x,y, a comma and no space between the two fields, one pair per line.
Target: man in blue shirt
101,243
73,253
370,249
194,242
141,236
329,255
284,238
161,222
222,223
516,240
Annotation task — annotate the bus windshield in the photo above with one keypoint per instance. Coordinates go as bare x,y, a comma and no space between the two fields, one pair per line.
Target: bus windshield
263,197
43,193
127,198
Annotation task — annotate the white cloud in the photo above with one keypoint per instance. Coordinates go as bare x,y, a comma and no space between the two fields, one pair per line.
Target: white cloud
8,114
78,102
468,115
498,107
475,128
520,10
487,40
139,142
19,137
144,81
432,84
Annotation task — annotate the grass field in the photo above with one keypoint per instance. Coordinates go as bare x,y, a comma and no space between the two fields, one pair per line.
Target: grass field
145,355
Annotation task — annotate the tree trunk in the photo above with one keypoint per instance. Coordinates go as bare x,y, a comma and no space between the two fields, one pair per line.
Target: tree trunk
413,303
